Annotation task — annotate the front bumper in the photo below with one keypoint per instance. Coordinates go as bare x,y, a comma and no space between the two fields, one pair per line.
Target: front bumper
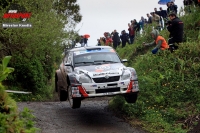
104,89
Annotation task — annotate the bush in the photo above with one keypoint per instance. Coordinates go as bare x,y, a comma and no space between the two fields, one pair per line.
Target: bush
169,82
10,120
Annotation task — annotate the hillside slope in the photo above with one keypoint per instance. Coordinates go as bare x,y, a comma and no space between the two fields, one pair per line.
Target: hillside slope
169,82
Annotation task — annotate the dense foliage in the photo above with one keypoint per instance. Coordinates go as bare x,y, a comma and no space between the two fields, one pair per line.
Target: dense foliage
10,120
169,82
36,50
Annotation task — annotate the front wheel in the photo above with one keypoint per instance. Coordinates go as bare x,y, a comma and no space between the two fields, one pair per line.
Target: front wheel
74,102
131,98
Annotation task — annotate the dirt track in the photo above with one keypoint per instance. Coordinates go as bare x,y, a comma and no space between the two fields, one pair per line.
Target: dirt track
92,117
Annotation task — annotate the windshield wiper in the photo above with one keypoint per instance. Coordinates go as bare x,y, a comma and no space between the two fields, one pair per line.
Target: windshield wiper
105,61
83,62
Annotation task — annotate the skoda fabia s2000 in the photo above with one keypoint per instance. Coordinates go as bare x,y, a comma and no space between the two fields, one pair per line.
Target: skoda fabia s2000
96,71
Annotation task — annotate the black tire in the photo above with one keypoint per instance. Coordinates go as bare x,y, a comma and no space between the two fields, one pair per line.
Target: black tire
63,95
74,102
131,98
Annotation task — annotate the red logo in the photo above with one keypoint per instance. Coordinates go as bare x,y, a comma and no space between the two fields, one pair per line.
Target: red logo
14,14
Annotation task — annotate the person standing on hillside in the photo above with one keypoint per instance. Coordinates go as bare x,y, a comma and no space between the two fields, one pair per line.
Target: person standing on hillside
82,41
171,7
124,38
85,41
159,14
159,41
116,39
163,14
156,19
131,32
149,19
98,42
175,28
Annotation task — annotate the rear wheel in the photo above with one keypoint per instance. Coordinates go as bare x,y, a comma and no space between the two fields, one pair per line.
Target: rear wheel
131,98
74,102
62,95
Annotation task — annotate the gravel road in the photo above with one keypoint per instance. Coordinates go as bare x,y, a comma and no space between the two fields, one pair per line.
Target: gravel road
92,117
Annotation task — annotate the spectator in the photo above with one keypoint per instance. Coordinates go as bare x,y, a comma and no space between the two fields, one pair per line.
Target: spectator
136,27
175,7
171,7
108,39
116,39
145,21
163,14
159,14
149,19
175,28
124,38
103,40
98,42
131,32
159,41
82,41
141,23
85,41
156,19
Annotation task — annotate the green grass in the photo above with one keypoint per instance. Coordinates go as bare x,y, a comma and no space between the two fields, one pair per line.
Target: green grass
169,83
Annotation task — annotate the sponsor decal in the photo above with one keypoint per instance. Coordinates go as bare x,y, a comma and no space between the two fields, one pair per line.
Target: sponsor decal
15,14
105,73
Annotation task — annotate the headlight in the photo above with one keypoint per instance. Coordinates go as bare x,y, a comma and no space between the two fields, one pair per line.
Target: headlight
126,75
85,79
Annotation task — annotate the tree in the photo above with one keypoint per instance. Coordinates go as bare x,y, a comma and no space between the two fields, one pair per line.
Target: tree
35,50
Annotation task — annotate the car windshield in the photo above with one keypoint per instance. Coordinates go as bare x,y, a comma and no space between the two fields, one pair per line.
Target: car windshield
96,58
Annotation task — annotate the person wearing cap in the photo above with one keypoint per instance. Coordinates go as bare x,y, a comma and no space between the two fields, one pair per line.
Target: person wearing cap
175,28
159,41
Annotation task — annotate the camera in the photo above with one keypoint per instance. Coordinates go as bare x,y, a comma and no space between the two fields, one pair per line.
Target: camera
168,22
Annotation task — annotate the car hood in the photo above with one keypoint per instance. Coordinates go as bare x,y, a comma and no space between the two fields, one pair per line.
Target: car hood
101,70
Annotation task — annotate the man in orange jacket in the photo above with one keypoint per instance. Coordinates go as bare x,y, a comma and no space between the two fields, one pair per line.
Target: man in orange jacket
159,41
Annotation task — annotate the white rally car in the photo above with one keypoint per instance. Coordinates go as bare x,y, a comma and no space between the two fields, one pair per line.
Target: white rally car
94,72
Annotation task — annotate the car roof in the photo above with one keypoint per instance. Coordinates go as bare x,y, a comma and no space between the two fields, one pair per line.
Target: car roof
89,48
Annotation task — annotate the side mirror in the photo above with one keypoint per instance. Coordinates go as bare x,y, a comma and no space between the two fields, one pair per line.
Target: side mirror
69,64
124,60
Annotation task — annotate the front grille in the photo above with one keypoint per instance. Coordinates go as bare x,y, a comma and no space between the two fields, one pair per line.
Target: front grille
104,80
108,90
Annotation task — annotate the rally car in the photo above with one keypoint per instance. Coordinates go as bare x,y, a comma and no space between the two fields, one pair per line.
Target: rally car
96,71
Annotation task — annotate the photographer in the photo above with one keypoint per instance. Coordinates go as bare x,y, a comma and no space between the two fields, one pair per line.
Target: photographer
175,27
